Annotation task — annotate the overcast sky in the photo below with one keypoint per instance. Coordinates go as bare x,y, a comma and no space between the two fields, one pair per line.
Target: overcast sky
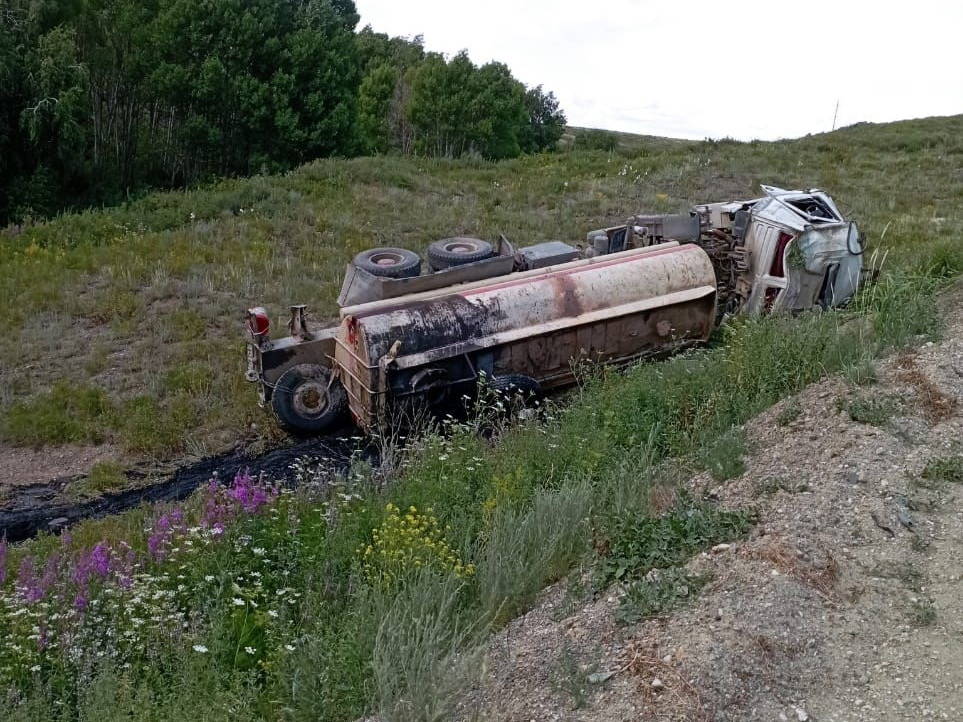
696,69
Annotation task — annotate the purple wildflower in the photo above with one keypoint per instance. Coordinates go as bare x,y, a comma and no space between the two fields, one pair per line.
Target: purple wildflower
34,586
100,559
250,494
167,526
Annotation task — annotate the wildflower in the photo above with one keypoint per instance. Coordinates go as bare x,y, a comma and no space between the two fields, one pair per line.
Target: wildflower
289,647
200,648
35,668
259,551
250,650
209,578
238,602
272,613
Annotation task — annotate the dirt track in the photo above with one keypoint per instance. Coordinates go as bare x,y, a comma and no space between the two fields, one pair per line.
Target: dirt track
844,603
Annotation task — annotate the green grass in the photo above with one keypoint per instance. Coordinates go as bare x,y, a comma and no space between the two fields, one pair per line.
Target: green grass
646,598
582,486
163,281
876,409
104,476
944,469
574,487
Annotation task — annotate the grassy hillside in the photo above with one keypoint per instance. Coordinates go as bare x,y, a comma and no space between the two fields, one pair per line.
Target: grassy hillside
125,325
348,596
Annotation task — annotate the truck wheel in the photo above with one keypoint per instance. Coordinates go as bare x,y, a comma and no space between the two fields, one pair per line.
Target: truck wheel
305,400
516,384
450,252
389,262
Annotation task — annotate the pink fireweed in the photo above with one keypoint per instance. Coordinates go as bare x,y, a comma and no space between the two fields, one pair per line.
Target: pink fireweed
167,526
250,494
33,586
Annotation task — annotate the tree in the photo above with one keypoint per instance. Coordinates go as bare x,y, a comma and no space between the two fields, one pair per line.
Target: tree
375,98
546,121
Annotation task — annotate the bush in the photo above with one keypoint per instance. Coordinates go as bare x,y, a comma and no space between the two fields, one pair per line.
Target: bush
595,140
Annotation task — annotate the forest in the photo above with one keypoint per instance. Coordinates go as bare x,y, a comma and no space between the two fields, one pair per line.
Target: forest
104,100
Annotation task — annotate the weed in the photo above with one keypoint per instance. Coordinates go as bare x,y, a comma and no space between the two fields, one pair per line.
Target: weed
862,372
659,592
577,592
876,410
908,574
639,544
790,411
420,658
922,612
773,484
570,677
724,457
944,469
104,476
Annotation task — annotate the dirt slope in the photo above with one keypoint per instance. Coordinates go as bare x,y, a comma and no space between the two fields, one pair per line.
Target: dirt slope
844,603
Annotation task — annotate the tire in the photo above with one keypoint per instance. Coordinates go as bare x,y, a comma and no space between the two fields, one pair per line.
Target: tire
306,401
516,385
458,251
389,262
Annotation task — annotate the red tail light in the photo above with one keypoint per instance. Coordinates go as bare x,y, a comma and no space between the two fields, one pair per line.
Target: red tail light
258,322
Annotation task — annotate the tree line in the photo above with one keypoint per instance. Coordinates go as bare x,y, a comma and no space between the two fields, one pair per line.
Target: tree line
100,99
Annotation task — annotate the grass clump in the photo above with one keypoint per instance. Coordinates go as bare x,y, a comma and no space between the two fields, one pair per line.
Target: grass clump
724,457
637,544
67,413
420,659
645,598
862,372
104,476
790,411
570,678
876,410
922,612
529,547
944,469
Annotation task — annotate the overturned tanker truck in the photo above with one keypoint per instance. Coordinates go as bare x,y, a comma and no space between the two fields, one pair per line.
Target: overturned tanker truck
521,317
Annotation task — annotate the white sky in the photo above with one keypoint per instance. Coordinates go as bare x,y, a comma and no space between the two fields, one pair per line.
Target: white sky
697,68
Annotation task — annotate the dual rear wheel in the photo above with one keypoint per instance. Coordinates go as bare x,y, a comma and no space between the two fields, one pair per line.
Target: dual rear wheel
402,263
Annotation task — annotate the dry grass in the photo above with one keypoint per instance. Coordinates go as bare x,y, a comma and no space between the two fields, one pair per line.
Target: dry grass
935,404
677,698
820,575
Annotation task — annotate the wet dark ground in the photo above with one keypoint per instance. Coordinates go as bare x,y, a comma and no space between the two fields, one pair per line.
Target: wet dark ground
36,508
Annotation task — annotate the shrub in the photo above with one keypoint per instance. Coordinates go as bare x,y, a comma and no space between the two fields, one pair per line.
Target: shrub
407,542
593,139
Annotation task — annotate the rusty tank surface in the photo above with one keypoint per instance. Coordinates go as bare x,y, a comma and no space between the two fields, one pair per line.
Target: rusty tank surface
610,309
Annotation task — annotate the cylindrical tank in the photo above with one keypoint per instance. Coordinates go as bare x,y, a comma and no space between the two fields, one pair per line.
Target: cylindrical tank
608,308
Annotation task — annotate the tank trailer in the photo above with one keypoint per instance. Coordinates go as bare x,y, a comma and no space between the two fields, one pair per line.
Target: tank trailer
522,317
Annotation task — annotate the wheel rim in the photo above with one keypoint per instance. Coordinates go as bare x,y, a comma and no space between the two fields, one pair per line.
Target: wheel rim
386,259
311,399
460,247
